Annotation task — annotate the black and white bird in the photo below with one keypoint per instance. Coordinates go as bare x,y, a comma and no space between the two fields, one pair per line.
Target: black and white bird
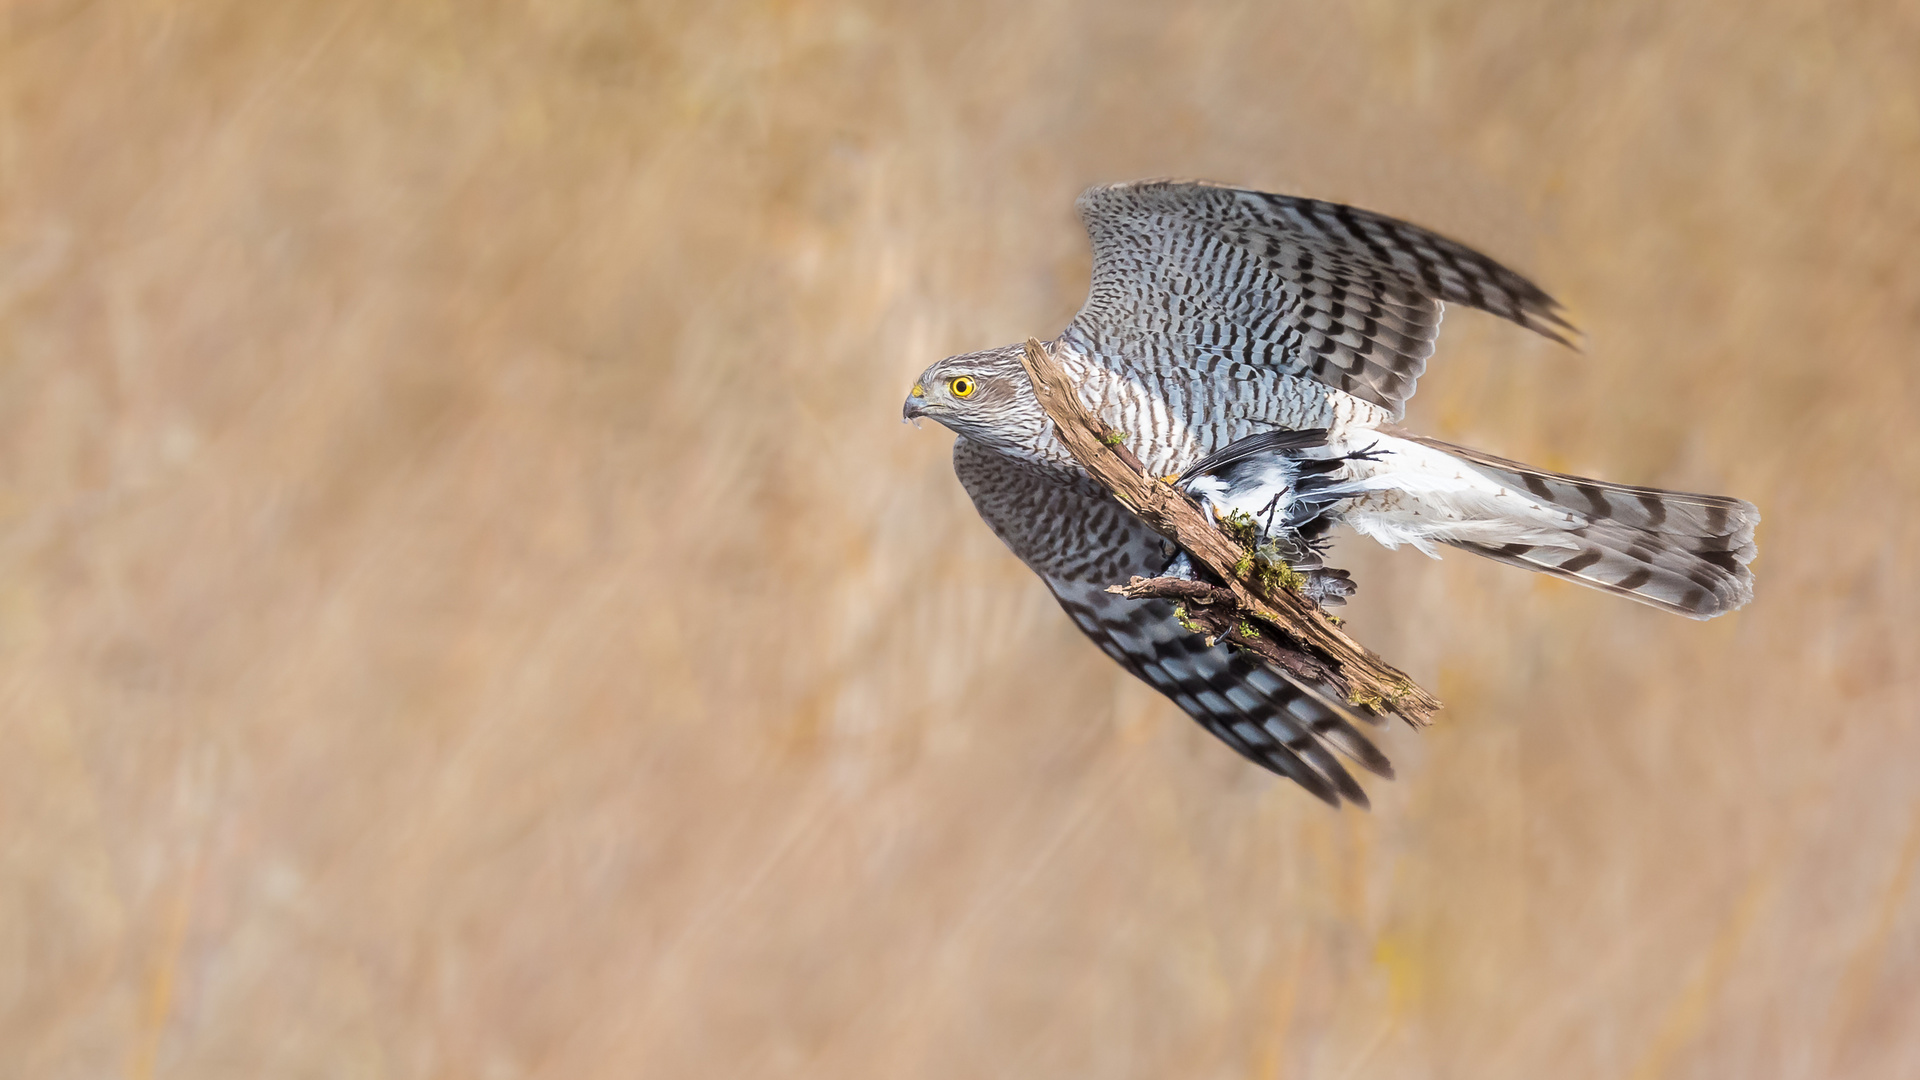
1262,348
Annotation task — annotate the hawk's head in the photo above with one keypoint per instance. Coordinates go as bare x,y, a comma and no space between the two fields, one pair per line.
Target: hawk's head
984,396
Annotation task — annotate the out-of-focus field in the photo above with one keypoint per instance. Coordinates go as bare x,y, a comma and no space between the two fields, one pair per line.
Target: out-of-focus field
468,607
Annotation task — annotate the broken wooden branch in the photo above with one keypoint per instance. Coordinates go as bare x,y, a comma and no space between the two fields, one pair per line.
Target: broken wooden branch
1311,646
1204,608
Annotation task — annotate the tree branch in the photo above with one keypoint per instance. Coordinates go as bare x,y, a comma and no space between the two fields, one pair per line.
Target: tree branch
1311,646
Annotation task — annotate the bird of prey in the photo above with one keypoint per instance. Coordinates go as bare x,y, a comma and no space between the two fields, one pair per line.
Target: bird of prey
1259,350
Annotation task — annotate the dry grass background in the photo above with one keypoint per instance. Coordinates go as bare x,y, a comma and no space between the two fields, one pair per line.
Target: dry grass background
468,607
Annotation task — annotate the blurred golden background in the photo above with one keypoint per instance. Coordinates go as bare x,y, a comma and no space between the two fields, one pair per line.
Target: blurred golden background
468,607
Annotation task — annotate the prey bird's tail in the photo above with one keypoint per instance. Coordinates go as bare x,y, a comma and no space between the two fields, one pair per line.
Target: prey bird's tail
1673,550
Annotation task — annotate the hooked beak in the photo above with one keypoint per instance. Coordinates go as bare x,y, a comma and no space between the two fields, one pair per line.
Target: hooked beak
915,408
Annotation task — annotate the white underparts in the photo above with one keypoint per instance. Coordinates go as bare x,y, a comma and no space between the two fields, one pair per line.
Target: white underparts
1401,493
1417,495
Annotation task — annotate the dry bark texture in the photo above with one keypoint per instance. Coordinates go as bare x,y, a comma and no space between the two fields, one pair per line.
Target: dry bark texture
1355,671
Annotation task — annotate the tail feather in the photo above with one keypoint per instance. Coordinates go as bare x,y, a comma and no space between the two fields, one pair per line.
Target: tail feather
1718,522
1639,565
1679,551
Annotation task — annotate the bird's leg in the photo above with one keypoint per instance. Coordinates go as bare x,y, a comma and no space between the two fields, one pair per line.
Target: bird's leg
1371,453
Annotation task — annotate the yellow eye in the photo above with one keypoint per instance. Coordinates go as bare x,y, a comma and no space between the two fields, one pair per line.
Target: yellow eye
961,387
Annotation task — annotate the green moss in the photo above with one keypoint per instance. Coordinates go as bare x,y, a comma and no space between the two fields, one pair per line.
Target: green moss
1273,574
1266,570
1241,526
1187,624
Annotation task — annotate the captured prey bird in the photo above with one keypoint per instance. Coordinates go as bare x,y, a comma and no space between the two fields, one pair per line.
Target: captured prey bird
1258,351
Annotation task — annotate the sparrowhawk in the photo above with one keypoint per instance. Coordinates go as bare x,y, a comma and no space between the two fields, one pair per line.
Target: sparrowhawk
1261,349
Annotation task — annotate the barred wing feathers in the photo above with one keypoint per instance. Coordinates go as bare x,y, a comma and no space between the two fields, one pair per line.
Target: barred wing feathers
1352,299
1068,530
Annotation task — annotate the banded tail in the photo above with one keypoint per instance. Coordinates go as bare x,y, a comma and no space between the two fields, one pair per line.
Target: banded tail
1674,550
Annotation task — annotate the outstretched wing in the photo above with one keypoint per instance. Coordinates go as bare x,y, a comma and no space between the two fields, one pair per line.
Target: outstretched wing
1183,271
1073,534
